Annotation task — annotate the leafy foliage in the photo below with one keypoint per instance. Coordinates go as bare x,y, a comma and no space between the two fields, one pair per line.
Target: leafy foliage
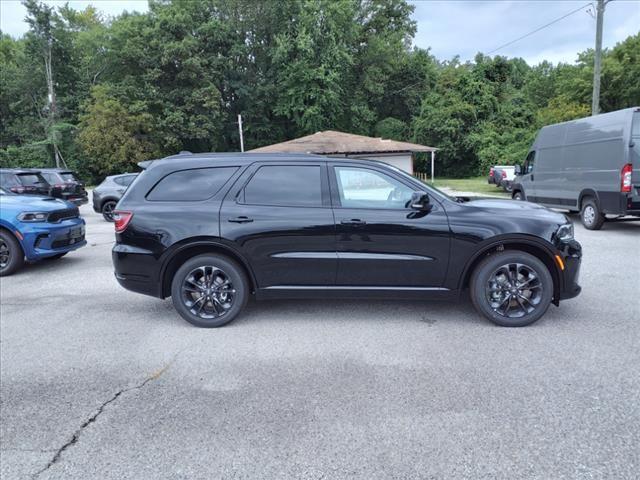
175,78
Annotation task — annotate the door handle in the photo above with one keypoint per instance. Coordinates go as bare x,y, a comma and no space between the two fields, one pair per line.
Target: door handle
241,219
532,177
353,221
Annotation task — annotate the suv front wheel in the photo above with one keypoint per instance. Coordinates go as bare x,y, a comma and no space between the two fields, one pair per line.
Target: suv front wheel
511,288
209,290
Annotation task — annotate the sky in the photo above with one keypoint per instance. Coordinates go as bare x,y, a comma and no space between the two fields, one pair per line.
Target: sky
458,27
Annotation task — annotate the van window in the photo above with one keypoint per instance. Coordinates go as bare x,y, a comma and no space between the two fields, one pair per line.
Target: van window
291,185
528,163
635,128
191,185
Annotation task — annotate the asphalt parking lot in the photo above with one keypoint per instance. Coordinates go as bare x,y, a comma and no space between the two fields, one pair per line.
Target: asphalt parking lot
98,382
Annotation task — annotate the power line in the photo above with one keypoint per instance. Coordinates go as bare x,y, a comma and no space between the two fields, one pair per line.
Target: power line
539,28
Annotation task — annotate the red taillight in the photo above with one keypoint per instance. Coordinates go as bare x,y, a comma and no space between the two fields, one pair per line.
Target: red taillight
625,178
491,172
17,189
121,220
504,174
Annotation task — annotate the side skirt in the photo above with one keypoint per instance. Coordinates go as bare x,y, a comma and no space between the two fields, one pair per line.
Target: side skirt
369,292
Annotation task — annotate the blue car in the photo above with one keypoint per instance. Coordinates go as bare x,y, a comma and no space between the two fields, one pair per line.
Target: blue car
36,227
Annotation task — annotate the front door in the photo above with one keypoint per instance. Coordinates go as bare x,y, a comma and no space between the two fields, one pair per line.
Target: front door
281,217
528,177
381,241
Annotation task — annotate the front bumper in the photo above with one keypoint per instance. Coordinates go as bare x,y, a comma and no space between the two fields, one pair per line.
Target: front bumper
42,240
571,255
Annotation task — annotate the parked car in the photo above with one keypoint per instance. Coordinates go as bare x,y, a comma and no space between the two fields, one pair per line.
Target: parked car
107,194
35,228
65,185
209,230
502,176
24,181
591,165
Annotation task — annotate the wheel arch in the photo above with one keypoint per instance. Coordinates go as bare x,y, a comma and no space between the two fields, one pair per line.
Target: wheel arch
537,249
107,199
588,192
517,187
191,249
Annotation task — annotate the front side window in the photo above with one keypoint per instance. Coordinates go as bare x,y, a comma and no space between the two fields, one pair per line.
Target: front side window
528,163
191,185
285,185
124,181
364,188
68,177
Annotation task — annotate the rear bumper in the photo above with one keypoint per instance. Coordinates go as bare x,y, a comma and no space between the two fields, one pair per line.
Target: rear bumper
137,270
571,255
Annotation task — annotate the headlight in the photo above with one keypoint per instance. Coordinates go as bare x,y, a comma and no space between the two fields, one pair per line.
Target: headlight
33,217
565,232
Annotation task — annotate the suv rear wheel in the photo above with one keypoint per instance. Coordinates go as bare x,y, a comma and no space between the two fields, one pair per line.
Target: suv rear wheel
511,288
590,215
11,254
107,210
209,290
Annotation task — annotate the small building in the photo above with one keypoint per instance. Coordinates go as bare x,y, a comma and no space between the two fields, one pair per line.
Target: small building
340,144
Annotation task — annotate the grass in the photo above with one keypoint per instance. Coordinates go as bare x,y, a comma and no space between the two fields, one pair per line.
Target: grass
475,184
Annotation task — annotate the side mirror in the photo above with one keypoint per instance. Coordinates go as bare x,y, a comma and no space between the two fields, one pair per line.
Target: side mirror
419,200
518,170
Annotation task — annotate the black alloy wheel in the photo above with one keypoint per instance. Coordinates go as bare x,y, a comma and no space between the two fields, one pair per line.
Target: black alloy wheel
107,210
11,255
512,288
209,290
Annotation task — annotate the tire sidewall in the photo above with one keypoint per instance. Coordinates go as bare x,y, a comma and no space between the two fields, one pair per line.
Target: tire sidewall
230,268
104,215
486,268
518,196
16,255
598,219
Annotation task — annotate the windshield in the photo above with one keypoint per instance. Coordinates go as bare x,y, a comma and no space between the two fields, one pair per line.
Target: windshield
428,185
68,177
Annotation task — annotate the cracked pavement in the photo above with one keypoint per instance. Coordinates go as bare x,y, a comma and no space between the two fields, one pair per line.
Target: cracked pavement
98,382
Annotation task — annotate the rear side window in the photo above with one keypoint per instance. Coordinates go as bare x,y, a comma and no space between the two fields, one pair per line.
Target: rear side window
285,185
68,177
125,181
9,180
191,185
31,179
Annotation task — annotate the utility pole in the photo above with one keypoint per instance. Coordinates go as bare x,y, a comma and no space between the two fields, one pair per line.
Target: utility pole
240,129
595,99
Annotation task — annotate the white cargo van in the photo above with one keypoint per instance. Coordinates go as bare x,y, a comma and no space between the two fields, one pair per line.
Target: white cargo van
590,165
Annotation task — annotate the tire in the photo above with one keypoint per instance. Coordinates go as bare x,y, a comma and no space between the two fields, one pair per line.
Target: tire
491,294
11,254
518,195
107,210
590,215
507,187
213,311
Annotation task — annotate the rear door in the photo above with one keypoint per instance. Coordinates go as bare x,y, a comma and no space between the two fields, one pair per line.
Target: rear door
279,215
381,241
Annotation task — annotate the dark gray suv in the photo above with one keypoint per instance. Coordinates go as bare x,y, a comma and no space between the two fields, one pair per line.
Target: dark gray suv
107,194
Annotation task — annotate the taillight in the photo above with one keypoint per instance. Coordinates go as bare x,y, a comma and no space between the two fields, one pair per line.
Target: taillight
491,172
17,189
625,178
121,220
504,174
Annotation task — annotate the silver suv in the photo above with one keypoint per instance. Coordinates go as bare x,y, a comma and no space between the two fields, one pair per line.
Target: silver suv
107,194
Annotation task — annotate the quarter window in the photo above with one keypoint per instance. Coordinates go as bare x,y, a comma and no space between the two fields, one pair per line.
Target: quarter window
292,185
191,185
364,188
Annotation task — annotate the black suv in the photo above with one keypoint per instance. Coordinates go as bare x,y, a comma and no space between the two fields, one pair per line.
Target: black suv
209,230
24,181
65,185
